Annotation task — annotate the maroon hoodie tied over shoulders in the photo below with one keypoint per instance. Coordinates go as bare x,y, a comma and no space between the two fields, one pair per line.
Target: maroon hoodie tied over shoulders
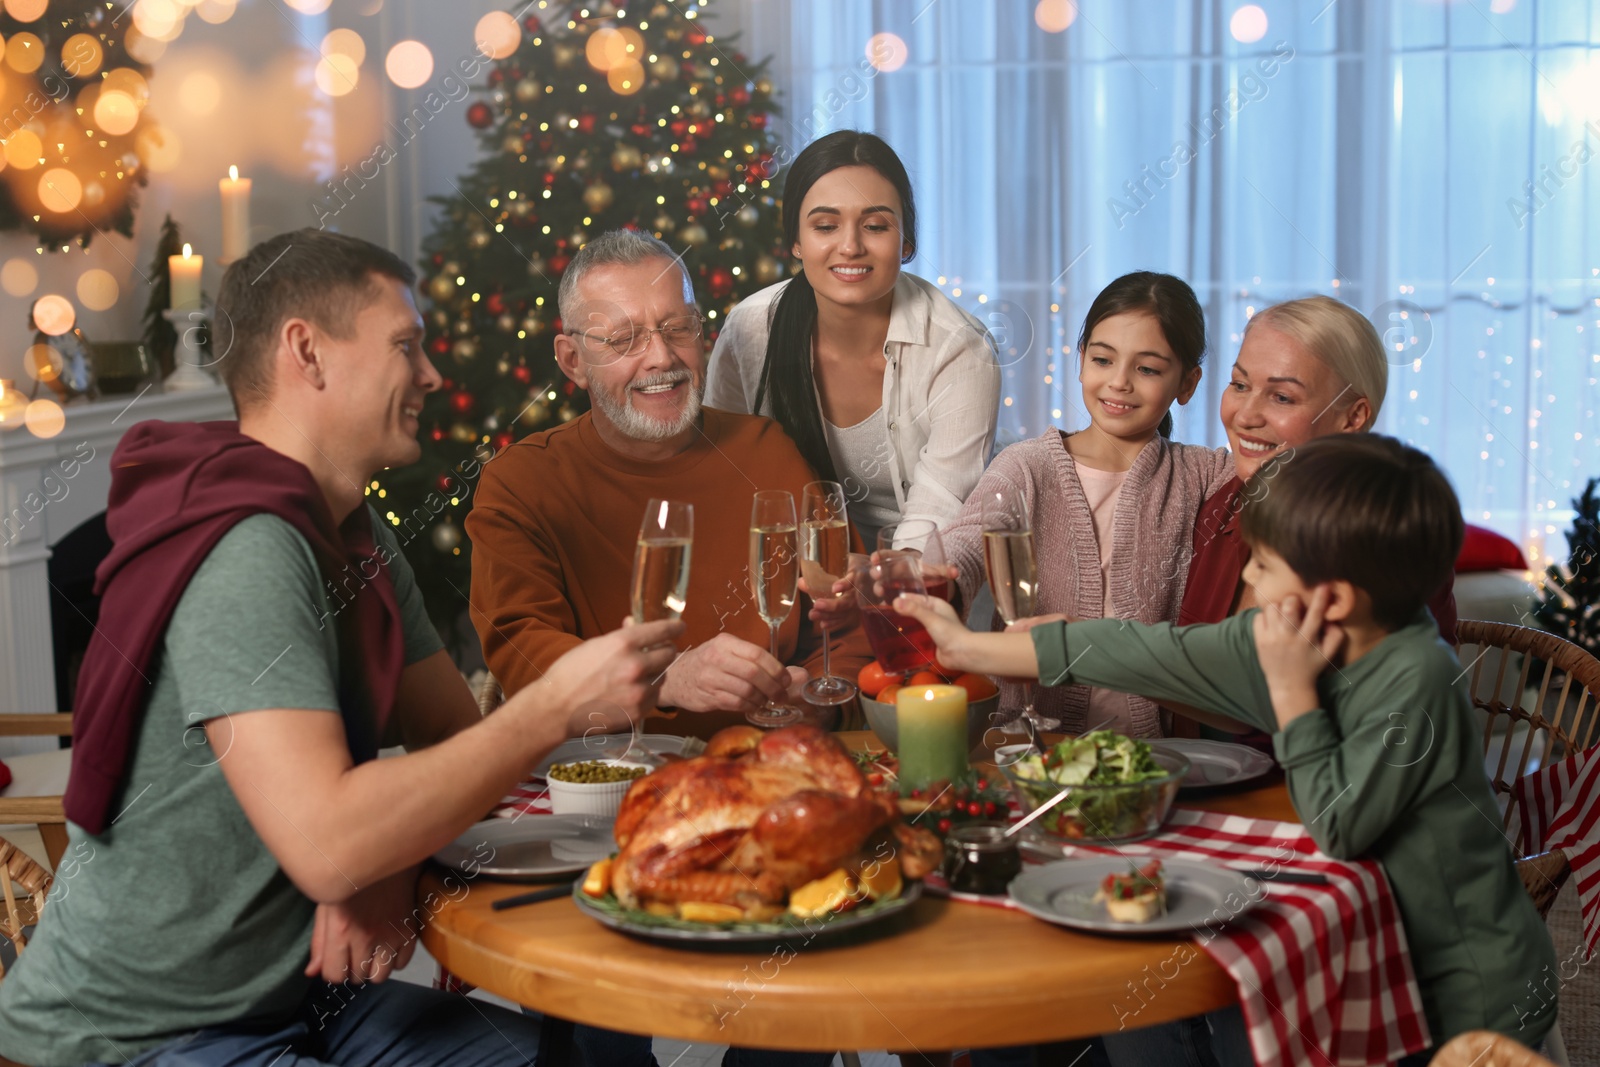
176,489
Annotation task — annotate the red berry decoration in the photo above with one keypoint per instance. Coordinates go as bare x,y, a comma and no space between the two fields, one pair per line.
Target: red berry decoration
944,826
479,116
974,809
461,402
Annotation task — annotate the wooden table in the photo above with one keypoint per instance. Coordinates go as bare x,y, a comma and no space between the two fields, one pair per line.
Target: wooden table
953,975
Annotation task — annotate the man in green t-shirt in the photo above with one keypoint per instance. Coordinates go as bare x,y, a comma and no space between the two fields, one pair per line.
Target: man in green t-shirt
1349,537
252,882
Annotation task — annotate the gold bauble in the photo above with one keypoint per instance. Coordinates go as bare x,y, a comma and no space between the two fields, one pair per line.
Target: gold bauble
577,239
463,325
695,234
451,268
441,288
447,535
479,240
440,319
521,208
463,433
567,413
464,350
598,197
764,86
626,157
748,215
512,145
768,269
716,171
566,54
506,323
536,265
536,412
527,90
665,223
665,68
531,324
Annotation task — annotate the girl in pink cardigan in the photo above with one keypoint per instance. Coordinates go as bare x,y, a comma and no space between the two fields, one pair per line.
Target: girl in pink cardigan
1113,505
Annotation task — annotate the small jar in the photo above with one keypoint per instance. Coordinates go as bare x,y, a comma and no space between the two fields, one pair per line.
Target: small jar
980,858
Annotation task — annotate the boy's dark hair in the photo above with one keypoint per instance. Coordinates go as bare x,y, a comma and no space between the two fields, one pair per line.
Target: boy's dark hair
314,274
1361,508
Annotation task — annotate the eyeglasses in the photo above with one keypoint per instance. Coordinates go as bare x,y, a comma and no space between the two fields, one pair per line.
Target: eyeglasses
681,331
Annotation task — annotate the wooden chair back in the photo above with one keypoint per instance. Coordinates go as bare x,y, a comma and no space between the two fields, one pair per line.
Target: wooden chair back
44,812
1559,719
23,887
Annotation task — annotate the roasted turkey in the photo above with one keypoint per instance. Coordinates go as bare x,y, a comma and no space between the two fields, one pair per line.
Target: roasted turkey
756,816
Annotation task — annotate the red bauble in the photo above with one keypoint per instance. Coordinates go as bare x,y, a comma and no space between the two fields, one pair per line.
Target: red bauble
640,129
585,123
721,100
558,262
445,483
439,346
496,76
502,441
689,145
739,95
679,128
438,258
758,122
720,282
722,189
522,374
569,386
479,116
549,178
437,434
461,402
696,205
531,23
696,37
495,303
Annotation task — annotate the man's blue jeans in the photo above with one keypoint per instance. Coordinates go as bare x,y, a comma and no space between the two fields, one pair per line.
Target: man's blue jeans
389,1024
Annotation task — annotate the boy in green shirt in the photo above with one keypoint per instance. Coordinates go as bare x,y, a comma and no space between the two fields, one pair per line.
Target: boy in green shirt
1349,536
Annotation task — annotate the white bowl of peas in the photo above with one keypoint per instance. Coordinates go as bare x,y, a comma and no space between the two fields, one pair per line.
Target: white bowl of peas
591,787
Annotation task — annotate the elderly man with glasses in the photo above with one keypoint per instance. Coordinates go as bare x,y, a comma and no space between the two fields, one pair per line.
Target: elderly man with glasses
558,514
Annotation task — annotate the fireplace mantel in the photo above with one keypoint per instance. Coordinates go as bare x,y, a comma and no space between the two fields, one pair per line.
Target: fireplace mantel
48,487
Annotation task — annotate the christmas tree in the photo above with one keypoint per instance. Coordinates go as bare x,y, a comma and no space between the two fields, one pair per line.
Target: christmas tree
612,116
1569,603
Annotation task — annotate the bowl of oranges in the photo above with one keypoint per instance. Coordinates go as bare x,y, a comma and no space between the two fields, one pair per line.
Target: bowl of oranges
880,689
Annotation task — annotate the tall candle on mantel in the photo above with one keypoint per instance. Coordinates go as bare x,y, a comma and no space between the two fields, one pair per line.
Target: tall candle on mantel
932,725
184,272
235,215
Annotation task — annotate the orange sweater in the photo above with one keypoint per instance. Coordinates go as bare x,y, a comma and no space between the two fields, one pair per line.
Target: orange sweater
553,532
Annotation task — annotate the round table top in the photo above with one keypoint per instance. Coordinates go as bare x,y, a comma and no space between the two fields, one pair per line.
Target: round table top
945,975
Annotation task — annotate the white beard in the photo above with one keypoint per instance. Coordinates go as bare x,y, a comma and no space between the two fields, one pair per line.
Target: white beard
641,427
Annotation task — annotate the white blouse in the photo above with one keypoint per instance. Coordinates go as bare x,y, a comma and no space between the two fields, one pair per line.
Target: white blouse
941,395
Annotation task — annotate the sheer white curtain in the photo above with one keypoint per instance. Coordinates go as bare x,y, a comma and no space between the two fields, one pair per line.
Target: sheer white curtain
1381,152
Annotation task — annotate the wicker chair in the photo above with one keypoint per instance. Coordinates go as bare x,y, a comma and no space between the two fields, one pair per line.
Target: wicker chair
1561,719
45,812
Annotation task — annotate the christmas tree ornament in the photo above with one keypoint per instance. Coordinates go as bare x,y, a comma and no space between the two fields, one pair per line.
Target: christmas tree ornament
463,434
720,282
506,324
537,265
768,270
598,196
531,325
461,403
441,288
446,536
664,68
695,234
626,157
526,90
463,350
494,303
748,215
479,240
512,145
665,223
451,268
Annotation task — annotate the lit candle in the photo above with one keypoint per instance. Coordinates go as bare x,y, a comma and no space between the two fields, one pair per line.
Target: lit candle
184,271
235,215
932,724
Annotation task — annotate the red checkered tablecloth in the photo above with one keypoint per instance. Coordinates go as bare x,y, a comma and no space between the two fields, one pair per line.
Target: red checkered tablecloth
1323,972
531,797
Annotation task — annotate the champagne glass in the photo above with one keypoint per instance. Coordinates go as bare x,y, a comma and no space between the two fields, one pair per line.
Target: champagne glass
660,584
661,561
824,552
774,572
901,643
1008,557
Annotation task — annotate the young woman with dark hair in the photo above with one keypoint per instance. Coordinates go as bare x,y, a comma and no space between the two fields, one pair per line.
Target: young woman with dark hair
1112,505
882,381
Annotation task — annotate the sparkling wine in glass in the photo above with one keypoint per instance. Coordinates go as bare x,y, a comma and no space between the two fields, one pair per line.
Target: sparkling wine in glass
774,574
661,561
1008,556
824,559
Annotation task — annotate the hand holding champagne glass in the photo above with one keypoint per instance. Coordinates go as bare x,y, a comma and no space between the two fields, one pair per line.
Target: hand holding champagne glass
774,574
1008,557
901,643
824,552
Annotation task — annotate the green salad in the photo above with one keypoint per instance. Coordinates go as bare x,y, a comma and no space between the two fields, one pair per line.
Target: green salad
1126,792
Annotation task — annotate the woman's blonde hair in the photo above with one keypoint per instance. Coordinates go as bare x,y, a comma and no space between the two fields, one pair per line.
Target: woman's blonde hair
1341,337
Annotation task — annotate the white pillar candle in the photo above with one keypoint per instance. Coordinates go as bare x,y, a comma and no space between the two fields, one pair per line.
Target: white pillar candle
235,215
184,271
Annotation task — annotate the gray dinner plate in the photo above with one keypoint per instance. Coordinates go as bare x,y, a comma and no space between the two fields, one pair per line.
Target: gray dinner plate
1063,893
605,746
1214,763
534,848
788,929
